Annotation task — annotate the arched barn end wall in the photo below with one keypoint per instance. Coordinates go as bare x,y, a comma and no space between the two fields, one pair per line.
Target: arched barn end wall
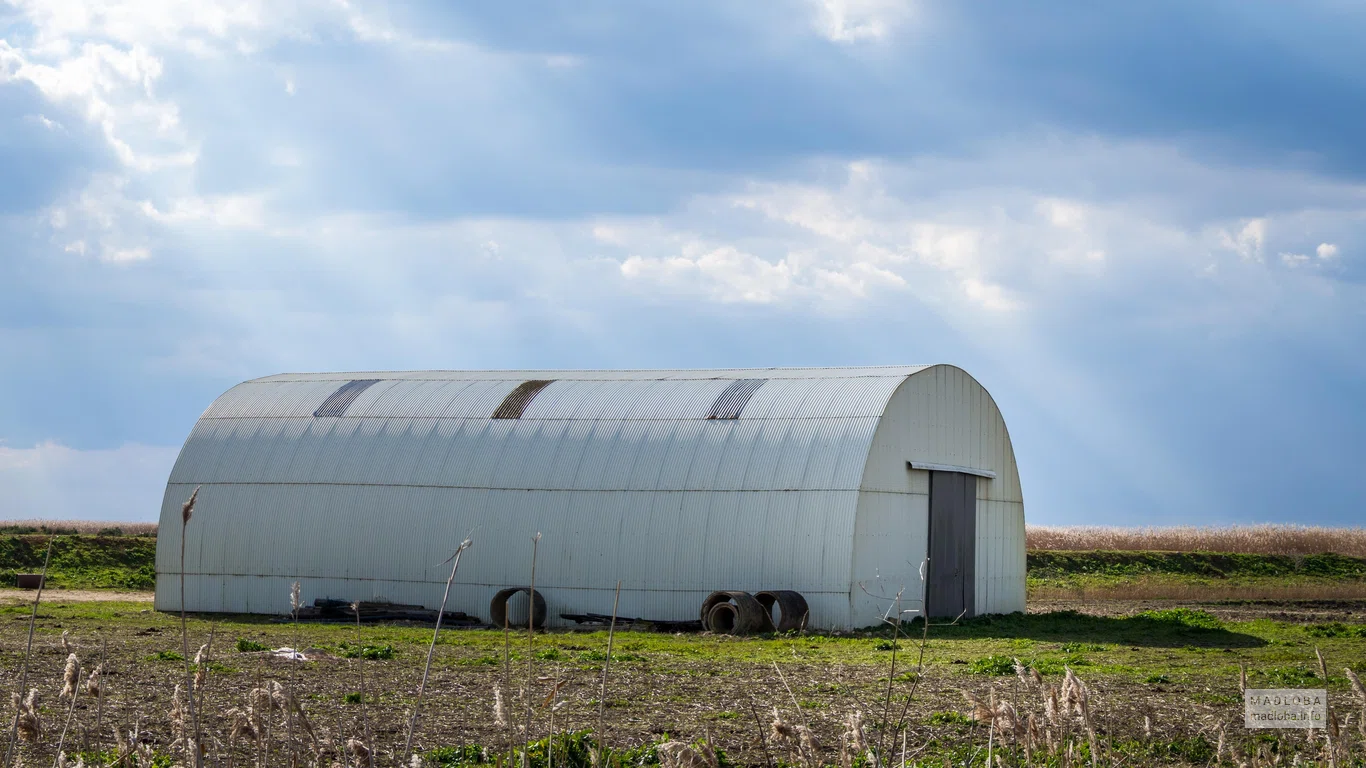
622,473
940,415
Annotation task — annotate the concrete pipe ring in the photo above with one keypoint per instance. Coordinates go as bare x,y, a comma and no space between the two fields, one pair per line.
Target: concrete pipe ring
498,607
714,599
722,619
735,612
792,609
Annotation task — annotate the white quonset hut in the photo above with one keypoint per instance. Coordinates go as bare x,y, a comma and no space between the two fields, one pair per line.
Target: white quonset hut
835,482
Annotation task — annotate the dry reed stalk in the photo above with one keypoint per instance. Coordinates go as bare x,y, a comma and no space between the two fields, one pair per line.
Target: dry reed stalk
72,676
991,727
295,601
29,725
201,676
763,737
1323,665
924,640
677,754
507,677
427,668
606,665
1248,539
364,715
359,751
854,742
530,634
552,701
800,739
186,512
95,685
805,738
891,676
28,652
1360,691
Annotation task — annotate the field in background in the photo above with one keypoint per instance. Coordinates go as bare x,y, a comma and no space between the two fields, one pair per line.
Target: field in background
83,527
1245,539
1193,577
81,562
1082,564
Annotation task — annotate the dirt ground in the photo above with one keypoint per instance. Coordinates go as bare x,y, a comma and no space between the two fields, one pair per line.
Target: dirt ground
1295,611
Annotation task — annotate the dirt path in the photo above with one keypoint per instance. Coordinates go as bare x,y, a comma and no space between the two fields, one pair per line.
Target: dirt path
20,596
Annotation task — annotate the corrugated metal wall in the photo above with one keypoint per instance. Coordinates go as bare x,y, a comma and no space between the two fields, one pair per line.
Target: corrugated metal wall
941,416
622,473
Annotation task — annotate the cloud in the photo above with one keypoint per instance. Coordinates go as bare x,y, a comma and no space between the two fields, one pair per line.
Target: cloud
1293,260
112,88
851,21
124,255
51,480
228,211
1247,241
723,272
1326,251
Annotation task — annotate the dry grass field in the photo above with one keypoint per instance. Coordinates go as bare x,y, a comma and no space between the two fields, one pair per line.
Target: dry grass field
82,527
1242,539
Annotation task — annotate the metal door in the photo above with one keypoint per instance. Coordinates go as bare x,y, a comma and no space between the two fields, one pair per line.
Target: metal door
953,544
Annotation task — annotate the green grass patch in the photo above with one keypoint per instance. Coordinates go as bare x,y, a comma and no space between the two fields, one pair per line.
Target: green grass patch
949,718
1188,617
371,652
992,665
1336,629
1298,676
569,750
249,646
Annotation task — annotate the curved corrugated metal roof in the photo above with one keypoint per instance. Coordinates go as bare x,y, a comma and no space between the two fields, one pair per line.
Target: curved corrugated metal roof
587,430
620,462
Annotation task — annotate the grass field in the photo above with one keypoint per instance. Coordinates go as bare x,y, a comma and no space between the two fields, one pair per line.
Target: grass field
1163,684
1156,637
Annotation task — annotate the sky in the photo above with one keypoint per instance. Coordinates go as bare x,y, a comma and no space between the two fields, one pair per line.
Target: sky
1141,226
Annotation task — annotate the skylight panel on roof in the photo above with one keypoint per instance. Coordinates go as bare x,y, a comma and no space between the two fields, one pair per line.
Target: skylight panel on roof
734,398
518,399
337,403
